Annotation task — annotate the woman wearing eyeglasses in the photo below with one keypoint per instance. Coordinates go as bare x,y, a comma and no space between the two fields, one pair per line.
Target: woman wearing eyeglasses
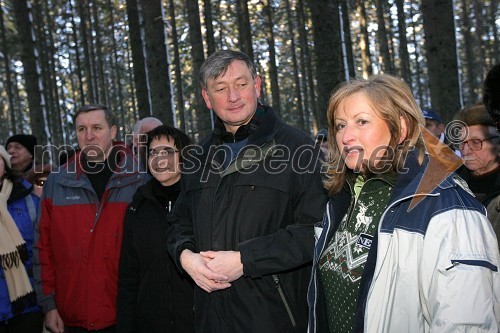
480,150
152,295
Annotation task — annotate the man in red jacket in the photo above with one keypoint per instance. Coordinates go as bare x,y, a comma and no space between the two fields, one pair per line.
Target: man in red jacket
79,230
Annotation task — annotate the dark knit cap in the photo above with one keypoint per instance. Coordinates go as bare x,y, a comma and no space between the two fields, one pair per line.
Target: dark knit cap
27,140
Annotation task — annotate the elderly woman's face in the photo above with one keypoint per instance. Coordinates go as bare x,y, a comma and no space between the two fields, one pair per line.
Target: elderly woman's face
362,136
479,149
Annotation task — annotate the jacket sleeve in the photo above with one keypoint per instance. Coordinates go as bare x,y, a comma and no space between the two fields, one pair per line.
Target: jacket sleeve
460,282
128,281
180,234
293,245
43,259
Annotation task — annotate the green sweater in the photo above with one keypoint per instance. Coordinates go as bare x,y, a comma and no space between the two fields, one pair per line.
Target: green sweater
343,261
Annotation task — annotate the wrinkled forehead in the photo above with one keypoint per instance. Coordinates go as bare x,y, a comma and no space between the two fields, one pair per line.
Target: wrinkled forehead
94,117
478,131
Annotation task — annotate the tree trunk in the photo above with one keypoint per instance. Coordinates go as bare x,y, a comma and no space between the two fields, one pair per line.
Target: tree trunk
77,55
310,91
328,51
470,62
346,28
417,52
273,70
386,62
244,28
34,87
99,59
156,61
217,10
54,111
204,120
89,77
207,11
481,54
404,57
8,76
178,69
138,57
303,65
364,41
298,94
132,89
441,52
39,26
115,61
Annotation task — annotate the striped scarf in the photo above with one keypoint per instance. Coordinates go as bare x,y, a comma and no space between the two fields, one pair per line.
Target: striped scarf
13,255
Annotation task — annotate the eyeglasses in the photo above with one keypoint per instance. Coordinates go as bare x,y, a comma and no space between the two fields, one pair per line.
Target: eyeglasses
163,152
40,182
475,144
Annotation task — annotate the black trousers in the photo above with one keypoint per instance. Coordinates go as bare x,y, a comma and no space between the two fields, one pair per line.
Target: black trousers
25,323
72,329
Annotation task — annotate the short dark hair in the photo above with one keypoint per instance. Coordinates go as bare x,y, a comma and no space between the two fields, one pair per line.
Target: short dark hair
109,116
216,65
181,139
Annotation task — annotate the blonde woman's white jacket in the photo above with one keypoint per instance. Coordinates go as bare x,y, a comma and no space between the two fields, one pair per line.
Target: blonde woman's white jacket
433,268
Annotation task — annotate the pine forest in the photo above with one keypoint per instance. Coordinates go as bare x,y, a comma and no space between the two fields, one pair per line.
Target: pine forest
142,57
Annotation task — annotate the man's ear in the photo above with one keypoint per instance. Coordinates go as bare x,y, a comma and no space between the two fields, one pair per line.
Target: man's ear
113,132
403,129
206,98
257,85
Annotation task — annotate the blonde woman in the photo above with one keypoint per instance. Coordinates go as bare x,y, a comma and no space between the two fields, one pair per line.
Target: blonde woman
403,247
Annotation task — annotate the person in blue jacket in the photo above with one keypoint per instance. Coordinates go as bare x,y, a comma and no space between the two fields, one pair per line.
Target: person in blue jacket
19,312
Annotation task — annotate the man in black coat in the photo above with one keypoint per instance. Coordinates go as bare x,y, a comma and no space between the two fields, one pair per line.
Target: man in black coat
242,226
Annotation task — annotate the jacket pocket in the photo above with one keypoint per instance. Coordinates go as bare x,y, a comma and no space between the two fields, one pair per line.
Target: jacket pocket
285,300
477,263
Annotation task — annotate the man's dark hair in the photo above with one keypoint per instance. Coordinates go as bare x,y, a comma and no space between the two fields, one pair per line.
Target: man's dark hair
216,65
109,116
491,96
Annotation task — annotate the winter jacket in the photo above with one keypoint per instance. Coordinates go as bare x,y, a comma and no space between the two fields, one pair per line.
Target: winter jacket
433,268
79,240
17,204
490,199
153,296
264,205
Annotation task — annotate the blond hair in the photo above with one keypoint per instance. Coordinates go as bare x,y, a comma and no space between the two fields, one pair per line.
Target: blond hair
392,100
